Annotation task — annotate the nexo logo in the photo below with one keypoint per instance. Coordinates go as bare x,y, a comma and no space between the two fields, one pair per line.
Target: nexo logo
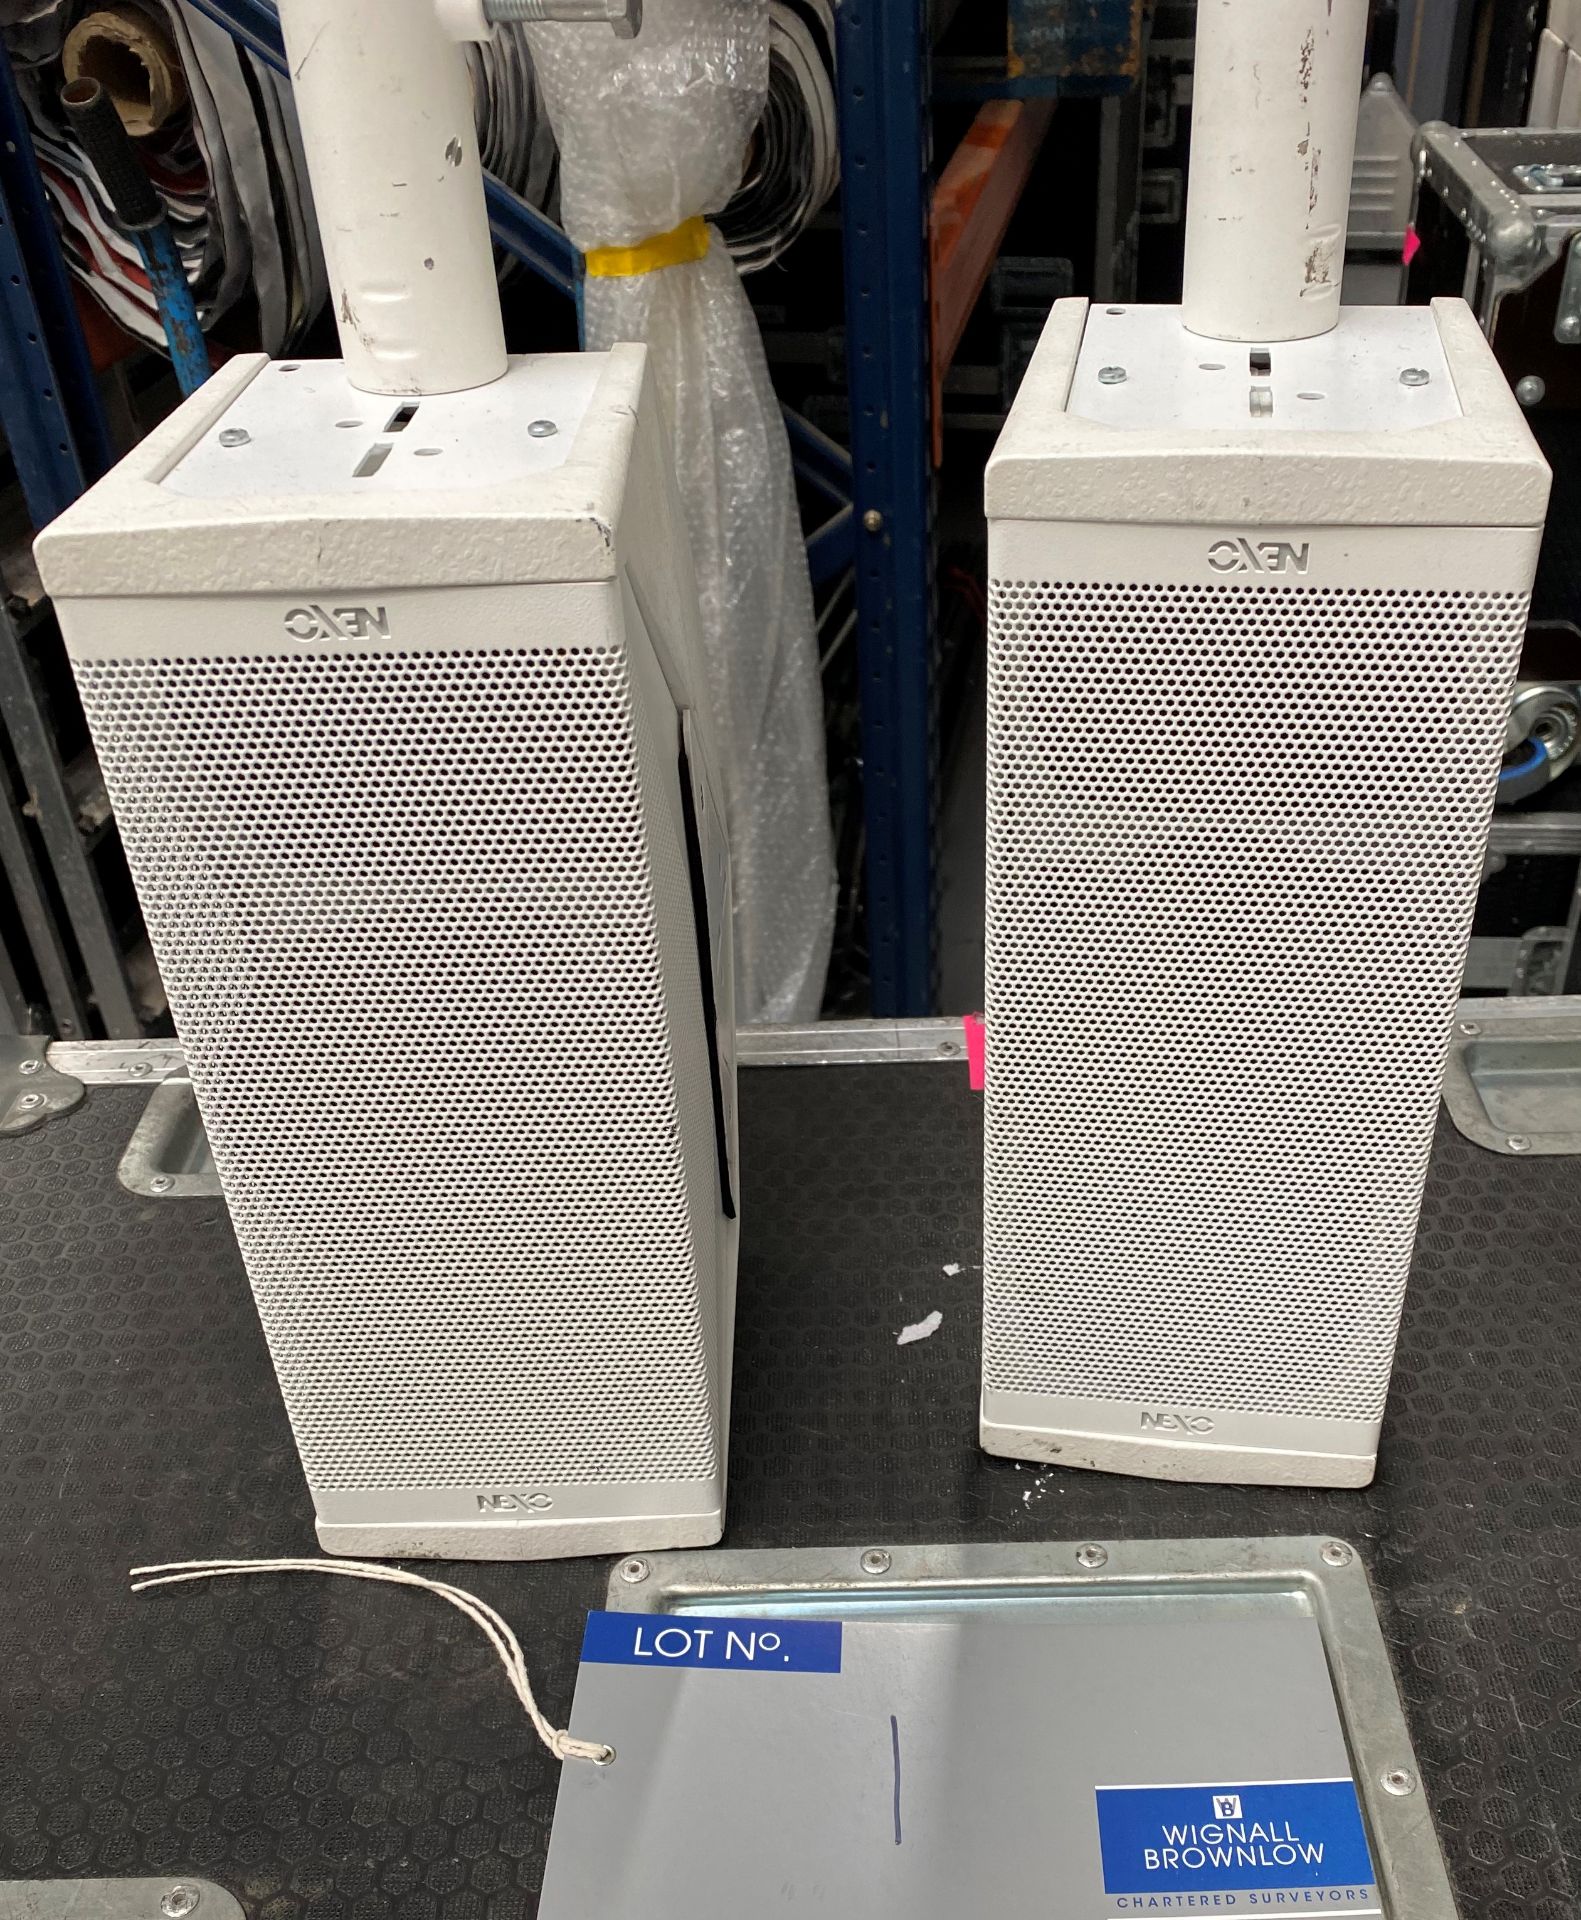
1176,1423
313,622
1266,556
514,1502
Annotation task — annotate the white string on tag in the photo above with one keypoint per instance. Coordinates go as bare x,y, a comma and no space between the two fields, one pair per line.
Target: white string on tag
495,1628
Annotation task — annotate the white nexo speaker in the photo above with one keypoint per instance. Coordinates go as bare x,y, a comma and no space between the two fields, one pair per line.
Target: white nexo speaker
395,702
1254,621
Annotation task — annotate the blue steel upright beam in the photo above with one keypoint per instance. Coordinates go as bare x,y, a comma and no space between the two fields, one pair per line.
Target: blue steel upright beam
884,145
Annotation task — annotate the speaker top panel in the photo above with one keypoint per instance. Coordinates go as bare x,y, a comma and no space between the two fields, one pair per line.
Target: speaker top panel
1400,417
282,476
1382,369
301,427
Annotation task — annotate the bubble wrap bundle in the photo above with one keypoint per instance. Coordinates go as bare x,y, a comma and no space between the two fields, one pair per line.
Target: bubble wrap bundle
652,132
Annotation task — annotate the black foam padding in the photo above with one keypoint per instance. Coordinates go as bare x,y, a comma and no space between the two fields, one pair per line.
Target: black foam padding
343,1752
104,139
1557,593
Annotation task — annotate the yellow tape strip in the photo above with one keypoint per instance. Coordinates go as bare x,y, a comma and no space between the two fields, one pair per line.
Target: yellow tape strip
688,241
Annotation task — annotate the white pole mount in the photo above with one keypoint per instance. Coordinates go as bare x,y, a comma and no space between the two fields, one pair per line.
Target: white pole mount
386,108
1273,138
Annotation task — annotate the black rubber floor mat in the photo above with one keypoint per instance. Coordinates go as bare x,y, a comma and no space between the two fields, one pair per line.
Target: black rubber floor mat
343,1752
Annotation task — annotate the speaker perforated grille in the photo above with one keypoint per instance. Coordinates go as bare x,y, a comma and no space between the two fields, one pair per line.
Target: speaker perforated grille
1234,842
415,936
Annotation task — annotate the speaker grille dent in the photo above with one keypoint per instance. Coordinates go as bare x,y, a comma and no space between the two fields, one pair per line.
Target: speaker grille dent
1234,840
415,936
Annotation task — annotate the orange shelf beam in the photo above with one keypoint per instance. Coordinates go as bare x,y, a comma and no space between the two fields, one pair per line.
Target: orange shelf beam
972,203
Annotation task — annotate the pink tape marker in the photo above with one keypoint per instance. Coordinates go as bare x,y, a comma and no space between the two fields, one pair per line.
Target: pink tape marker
1413,245
976,1050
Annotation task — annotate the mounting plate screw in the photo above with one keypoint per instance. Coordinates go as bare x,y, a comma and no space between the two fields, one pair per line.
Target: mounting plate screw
140,1069
229,437
30,1102
176,1902
1111,376
873,520
28,1066
1399,1780
1531,390
541,429
1414,376
161,1183
1470,1026
1335,1553
634,1572
876,1560
1518,1143
1091,1555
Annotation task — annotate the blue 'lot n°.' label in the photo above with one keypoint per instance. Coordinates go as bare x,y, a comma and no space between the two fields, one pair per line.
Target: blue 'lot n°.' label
1286,1834
727,1643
